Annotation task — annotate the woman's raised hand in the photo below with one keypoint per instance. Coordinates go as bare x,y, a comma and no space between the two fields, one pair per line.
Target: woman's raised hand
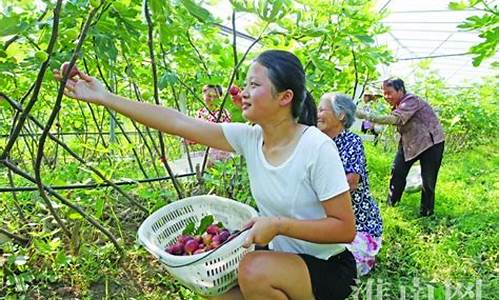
84,87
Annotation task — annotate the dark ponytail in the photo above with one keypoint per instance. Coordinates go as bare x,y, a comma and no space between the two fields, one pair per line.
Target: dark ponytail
286,72
309,112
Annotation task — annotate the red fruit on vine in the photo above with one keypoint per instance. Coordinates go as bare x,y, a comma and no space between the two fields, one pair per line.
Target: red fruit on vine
237,100
234,90
74,70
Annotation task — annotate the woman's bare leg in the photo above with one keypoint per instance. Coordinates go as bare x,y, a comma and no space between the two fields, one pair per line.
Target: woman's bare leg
274,275
271,276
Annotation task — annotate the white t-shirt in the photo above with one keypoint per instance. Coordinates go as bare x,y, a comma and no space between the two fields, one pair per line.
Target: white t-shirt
295,188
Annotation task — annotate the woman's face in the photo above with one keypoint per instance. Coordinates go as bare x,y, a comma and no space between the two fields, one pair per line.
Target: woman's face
259,100
327,119
391,95
209,95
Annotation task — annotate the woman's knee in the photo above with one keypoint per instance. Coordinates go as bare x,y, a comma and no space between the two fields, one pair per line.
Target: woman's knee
254,269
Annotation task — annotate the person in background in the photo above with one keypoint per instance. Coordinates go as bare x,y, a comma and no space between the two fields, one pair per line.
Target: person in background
367,127
422,139
296,177
335,117
211,95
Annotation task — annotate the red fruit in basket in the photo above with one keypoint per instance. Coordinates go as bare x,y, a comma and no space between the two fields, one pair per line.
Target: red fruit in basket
191,246
207,238
224,235
214,244
198,251
175,249
213,229
216,241
183,239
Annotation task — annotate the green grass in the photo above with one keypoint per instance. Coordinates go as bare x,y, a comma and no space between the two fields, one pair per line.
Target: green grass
457,246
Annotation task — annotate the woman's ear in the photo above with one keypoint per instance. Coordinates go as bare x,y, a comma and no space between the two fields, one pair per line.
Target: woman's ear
285,97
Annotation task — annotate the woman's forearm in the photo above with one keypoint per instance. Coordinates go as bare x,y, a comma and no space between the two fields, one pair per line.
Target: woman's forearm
383,119
379,119
150,115
323,231
169,121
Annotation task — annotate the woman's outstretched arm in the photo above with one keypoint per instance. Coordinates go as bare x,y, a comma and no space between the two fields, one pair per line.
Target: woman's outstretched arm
170,121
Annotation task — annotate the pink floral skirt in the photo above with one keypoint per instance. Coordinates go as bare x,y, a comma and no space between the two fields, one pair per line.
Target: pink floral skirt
216,154
364,248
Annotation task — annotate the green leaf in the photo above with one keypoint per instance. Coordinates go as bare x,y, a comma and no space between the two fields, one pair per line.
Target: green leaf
99,207
457,5
204,223
189,229
4,104
166,79
54,244
11,25
197,11
365,38
41,246
75,216
241,5
61,259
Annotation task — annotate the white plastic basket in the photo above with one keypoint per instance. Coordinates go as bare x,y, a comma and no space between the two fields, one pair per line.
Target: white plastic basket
209,274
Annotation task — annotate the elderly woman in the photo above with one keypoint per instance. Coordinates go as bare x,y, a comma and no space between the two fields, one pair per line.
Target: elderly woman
335,116
422,139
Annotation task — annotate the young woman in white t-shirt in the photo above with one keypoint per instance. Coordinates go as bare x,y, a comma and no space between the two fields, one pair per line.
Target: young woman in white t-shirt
296,178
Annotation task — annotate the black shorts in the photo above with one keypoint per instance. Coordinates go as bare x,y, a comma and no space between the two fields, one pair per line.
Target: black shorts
334,278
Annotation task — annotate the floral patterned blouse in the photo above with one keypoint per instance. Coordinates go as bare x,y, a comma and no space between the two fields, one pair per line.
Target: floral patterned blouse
366,210
203,113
